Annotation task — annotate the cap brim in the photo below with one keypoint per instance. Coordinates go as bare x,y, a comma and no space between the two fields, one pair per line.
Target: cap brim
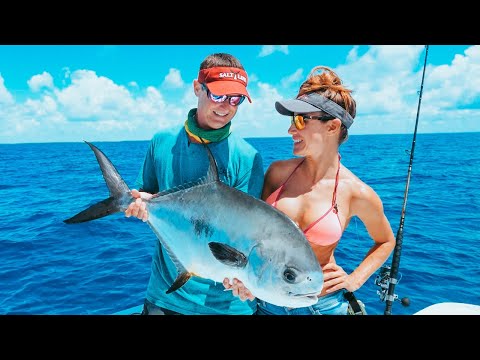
227,88
288,107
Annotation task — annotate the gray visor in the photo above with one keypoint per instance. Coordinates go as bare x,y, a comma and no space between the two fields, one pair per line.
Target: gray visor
313,102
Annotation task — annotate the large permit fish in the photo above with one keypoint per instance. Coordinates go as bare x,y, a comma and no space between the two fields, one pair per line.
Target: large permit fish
215,231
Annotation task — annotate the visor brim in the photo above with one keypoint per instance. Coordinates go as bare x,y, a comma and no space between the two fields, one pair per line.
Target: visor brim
289,107
228,88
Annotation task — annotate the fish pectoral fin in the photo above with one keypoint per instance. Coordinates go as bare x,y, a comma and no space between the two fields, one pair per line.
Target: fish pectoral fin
228,255
180,281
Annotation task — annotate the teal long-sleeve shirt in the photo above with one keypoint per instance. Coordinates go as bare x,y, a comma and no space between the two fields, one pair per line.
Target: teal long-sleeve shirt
172,160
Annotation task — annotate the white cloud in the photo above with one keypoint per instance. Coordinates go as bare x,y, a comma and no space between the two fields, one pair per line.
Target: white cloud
252,78
385,81
173,79
353,54
270,49
295,78
260,116
5,96
92,97
457,83
42,107
37,82
90,104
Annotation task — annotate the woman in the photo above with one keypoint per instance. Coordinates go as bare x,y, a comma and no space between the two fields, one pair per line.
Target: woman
321,195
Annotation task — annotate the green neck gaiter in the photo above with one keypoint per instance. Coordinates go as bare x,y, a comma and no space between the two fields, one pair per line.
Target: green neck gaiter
212,135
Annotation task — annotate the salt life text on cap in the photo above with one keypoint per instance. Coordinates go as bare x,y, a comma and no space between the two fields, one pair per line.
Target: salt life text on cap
223,80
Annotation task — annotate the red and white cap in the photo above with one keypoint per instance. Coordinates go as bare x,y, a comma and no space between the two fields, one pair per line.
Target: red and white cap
222,80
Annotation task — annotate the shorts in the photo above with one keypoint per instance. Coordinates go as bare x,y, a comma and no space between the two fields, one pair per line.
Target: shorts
331,304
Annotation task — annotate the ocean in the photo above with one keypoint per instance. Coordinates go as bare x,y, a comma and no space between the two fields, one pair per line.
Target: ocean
103,266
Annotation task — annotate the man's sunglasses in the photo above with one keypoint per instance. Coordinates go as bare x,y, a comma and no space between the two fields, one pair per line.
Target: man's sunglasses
299,120
234,100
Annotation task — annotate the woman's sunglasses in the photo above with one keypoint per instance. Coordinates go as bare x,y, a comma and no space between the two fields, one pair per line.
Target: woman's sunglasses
234,100
299,120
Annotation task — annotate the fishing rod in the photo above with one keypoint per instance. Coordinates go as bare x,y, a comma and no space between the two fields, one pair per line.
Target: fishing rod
388,277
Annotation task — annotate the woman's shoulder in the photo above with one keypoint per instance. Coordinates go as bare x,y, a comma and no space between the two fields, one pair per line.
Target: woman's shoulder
359,189
280,169
284,165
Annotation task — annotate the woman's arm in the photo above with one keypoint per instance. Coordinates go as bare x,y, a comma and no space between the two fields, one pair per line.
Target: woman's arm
368,207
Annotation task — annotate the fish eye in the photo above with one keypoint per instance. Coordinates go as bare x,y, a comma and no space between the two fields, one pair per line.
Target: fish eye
289,275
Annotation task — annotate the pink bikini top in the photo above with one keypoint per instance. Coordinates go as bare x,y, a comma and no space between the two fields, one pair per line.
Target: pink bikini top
326,232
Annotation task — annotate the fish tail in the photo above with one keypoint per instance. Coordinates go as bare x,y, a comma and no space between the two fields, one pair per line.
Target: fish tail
103,208
119,198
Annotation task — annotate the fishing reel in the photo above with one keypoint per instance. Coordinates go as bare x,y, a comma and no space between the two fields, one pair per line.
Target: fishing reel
383,281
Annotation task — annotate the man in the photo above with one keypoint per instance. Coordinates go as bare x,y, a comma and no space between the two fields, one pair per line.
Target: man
178,158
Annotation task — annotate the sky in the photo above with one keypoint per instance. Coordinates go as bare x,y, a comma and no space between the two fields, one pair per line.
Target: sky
72,93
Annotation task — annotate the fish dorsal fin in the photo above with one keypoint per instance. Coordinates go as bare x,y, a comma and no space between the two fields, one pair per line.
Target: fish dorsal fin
115,183
181,187
181,279
212,176
212,173
228,255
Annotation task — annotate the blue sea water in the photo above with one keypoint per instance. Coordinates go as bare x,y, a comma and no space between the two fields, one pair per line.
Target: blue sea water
103,266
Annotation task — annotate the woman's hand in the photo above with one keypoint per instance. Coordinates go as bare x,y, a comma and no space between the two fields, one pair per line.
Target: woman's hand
335,278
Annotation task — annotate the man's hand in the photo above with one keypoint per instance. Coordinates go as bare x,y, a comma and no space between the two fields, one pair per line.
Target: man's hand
238,289
138,208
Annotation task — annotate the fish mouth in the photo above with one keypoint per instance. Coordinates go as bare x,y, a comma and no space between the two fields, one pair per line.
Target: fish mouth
311,295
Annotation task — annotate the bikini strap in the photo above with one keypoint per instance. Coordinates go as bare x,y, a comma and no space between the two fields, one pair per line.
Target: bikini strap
300,163
289,176
334,197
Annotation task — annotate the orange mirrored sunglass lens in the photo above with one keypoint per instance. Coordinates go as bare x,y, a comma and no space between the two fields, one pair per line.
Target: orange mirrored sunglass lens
298,121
